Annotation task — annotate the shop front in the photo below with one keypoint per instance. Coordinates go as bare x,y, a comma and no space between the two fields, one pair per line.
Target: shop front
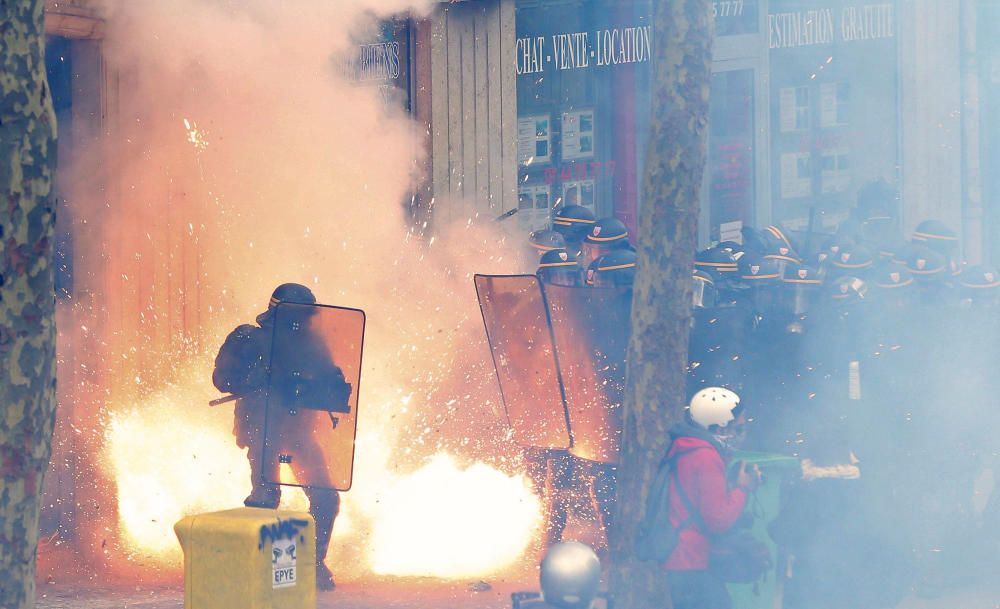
834,110
583,104
803,113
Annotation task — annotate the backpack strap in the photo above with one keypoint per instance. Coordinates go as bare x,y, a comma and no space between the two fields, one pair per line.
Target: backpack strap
694,516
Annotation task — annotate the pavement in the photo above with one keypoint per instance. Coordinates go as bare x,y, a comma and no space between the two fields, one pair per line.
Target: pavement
407,594
352,595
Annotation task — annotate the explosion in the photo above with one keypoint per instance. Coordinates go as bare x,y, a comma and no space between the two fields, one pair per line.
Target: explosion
245,165
447,522
175,456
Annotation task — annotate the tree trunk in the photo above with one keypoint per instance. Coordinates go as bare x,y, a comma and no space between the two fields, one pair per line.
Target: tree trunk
27,294
661,307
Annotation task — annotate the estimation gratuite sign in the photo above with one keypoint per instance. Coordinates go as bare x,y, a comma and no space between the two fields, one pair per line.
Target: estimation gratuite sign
577,50
826,26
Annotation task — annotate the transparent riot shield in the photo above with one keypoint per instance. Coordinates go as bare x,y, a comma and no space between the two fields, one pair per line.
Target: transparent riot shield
524,358
312,399
591,327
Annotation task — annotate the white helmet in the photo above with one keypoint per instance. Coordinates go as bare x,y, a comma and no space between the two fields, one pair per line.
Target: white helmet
713,406
570,575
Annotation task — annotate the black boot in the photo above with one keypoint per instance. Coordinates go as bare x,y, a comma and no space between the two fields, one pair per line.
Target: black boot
324,505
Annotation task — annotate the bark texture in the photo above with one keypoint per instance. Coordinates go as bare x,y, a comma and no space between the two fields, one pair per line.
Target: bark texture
661,309
27,294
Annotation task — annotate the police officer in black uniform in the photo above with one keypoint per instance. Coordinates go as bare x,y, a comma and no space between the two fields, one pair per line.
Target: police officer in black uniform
241,369
559,267
573,222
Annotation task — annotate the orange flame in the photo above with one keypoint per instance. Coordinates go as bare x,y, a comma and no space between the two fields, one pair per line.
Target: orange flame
173,456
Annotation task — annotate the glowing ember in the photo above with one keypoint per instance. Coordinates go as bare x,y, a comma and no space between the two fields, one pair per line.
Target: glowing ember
447,522
195,136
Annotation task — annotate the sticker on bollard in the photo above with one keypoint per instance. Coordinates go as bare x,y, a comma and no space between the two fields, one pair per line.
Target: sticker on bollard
283,563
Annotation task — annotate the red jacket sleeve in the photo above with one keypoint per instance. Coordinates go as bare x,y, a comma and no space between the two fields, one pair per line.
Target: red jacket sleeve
703,474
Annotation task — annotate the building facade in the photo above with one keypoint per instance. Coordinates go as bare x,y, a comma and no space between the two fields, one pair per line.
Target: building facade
528,104
812,102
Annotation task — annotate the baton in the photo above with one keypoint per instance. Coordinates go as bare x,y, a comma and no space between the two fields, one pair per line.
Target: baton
505,215
224,399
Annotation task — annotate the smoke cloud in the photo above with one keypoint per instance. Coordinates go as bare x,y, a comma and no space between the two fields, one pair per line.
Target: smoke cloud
244,156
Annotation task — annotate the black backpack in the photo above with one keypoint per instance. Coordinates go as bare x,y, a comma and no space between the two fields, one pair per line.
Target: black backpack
656,538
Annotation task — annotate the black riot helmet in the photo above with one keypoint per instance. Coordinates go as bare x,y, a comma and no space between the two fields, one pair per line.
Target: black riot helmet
573,222
763,277
732,247
782,256
847,291
719,263
936,235
927,265
932,271
754,241
758,270
286,292
703,295
854,261
799,286
559,267
604,236
546,240
979,285
892,286
777,238
830,250
616,269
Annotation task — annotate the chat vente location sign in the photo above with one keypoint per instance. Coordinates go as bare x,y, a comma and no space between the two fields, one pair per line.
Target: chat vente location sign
582,50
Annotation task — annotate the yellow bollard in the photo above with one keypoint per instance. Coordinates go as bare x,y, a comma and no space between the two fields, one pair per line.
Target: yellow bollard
249,558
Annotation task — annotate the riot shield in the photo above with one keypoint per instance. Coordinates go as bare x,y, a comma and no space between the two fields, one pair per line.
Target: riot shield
312,397
521,343
591,327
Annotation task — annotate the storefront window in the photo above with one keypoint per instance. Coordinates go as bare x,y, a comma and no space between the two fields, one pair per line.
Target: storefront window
577,67
833,107
583,109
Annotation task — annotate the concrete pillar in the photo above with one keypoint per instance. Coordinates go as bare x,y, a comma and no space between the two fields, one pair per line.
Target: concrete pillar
973,233
930,92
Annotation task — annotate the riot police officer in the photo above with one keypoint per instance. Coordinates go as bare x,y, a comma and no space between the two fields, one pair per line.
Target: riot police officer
936,235
241,369
559,267
930,268
573,222
604,237
703,294
546,240
854,261
616,269
979,286
551,469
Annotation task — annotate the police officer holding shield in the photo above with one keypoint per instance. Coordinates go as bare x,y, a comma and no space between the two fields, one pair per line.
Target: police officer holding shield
242,369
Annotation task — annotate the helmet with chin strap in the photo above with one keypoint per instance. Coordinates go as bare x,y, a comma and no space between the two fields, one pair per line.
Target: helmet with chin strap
286,292
714,406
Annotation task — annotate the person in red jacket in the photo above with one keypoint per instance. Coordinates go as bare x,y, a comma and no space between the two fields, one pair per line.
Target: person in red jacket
702,503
